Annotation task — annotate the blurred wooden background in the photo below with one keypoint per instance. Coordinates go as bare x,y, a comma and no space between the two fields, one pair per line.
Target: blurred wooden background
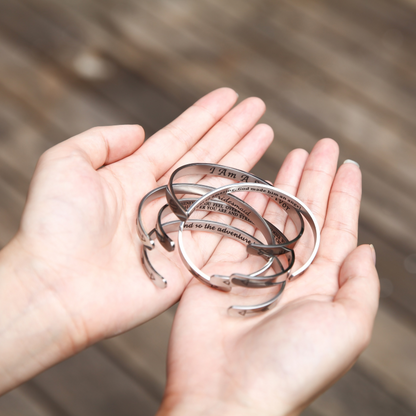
340,69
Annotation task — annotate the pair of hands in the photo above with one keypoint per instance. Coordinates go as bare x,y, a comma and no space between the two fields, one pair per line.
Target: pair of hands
75,273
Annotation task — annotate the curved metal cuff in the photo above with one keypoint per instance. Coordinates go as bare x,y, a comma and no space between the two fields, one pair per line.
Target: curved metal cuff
212,169
287,202
207,226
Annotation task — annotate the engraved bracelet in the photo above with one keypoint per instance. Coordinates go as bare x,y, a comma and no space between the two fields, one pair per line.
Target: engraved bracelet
203,225
237,205
235,310
287,202
236,175
255,279
236,210
262,227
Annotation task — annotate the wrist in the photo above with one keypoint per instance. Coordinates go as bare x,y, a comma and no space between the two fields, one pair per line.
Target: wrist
203,406
35,328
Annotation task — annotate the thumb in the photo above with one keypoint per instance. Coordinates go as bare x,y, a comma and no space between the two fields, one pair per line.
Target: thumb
359,289
100,145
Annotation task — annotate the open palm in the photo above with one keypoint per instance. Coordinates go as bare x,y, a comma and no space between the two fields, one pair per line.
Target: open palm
79,221
277,362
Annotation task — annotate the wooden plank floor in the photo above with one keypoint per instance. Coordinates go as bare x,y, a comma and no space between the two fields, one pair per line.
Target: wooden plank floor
340,69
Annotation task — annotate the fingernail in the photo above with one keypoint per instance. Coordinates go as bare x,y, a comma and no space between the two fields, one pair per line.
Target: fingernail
373,251
351,161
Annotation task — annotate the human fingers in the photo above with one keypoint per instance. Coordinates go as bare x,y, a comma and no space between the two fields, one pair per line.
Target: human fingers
223,136
243,156
161,151
100,145
359,292
247,152
61,170
314,188
317,177
340,230
287,179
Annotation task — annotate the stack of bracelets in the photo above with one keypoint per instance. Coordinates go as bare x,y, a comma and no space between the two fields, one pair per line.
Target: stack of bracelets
277,248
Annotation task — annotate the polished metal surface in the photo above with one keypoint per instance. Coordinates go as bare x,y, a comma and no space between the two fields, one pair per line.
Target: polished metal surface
206,226
221,200
192,189
252,280
212,169
252,217
287,202
243,310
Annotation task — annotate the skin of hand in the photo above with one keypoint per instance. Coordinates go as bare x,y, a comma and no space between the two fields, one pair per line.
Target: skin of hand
73,275
277,362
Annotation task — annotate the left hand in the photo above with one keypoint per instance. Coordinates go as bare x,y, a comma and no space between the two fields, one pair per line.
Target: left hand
73,275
